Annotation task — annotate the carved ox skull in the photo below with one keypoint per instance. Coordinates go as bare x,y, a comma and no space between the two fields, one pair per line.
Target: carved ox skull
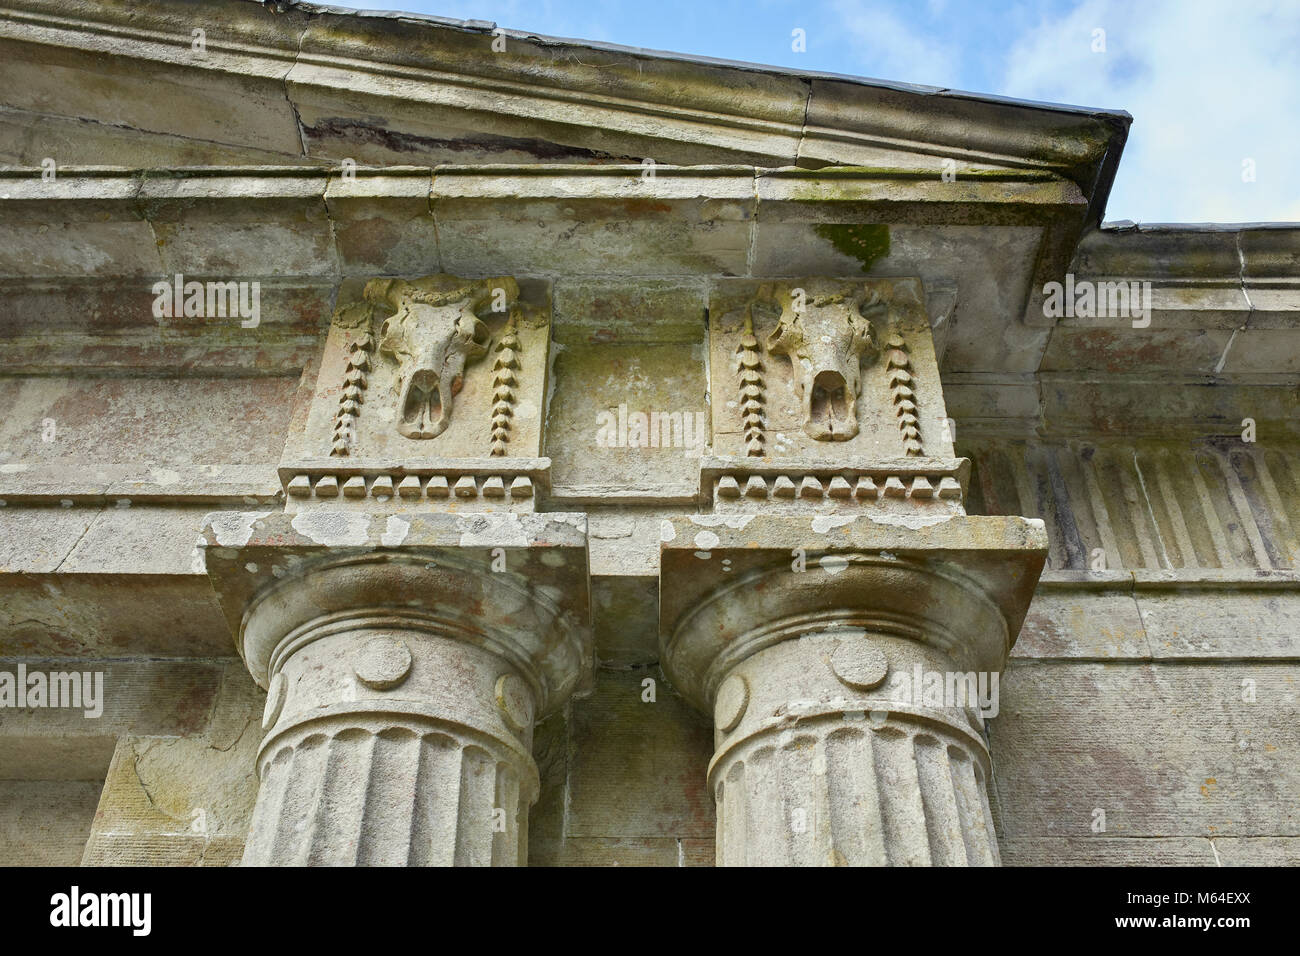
825,337
433,333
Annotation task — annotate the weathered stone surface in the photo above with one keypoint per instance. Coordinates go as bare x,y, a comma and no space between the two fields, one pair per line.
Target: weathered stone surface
1257,851
38,540
625,785
817,354
1222,618
365,775
111,615
606,851
435,367
637,768
245,550
1108,851
628,423
383,224
183,800
114,699
596,311
817,761
88,332
45,822
438,89
1078,614
1165,749
646,222
813,774
143,698
289,233
177,426
1191,506
624,540
624,609
1002,556
47,757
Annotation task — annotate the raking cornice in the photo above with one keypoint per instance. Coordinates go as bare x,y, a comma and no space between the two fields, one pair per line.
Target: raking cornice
324,83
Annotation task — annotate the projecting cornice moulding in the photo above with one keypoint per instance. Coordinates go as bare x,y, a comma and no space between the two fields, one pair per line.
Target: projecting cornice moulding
539,220
324,84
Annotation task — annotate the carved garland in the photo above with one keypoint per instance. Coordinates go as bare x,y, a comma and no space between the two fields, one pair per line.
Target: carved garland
503,386
749,368
900,384
354,382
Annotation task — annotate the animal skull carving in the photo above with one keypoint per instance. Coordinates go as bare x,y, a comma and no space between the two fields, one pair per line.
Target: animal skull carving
434,331
826,337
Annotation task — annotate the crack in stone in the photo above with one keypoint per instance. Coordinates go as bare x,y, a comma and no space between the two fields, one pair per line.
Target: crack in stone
297,119
1250,306
89,524
243,730
136,756
751,252
803,127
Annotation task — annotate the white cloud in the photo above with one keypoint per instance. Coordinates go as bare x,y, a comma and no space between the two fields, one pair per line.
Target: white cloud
892,48
1209,85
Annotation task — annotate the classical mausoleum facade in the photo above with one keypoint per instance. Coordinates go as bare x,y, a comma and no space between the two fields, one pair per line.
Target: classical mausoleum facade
425,443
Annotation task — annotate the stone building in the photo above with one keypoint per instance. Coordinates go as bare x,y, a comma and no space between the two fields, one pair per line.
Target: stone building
427,443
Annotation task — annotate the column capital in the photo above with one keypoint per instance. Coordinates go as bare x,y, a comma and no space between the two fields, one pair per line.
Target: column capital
513,584
733,585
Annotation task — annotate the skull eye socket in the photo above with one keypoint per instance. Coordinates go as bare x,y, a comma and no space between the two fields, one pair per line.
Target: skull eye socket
782,338
472,332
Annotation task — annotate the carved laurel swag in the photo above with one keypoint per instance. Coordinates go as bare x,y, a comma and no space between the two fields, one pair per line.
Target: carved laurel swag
504,383
354,384
749,369
901,391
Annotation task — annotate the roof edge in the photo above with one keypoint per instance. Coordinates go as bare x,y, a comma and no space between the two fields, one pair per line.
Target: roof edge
624,101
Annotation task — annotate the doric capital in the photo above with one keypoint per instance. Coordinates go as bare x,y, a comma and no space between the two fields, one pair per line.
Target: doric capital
515,584
732,585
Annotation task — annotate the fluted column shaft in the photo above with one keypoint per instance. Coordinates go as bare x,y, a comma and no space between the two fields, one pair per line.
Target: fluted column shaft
813,768
393,744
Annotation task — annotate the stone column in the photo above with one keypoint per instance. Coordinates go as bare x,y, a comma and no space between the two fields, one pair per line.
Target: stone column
825,667
403,681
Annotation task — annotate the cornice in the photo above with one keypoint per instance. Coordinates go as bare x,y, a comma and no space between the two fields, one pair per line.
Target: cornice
1264,254
601,101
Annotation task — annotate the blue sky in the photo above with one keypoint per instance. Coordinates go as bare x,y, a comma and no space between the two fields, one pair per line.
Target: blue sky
1213,85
